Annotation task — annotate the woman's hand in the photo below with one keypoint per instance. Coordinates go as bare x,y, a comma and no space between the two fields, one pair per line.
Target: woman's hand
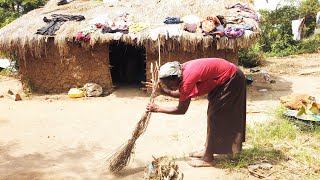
151,107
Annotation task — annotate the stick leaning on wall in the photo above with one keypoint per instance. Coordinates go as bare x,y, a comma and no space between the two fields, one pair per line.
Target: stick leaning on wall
121,157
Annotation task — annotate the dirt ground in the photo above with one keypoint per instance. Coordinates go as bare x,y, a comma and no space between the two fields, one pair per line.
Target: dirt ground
55,137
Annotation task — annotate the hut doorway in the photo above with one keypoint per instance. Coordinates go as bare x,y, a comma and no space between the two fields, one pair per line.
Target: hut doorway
128,64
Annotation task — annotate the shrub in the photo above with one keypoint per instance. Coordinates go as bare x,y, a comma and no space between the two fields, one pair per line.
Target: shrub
251,57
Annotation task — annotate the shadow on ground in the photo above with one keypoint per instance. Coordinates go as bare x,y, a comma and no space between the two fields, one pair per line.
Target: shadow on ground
45,166
260,89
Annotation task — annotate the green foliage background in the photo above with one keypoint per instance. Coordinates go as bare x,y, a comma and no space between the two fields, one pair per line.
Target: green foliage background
12,9
276,37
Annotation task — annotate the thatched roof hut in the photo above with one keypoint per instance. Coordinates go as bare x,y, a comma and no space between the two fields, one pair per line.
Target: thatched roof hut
55,63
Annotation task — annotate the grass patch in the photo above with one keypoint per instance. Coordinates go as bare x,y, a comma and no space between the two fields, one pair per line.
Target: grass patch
291,146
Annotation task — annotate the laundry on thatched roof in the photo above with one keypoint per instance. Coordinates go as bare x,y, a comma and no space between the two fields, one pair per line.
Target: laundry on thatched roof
137,27
84,34
244,8
172,20
190,19
212,26
119,24
55,23
233,32
190,27
63,2
209,24
169,31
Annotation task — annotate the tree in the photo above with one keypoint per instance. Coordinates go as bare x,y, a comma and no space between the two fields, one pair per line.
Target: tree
308,9
12,9
276,28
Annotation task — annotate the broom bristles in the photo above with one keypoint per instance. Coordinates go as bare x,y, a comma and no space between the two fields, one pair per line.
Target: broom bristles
121,157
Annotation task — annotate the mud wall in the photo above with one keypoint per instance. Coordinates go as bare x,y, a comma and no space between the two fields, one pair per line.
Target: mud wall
57,74
182,57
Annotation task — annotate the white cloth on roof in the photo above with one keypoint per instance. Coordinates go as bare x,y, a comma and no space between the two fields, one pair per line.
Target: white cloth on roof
154,33
174,30
318,18
117,35
190,19
110,1
102,19
168,31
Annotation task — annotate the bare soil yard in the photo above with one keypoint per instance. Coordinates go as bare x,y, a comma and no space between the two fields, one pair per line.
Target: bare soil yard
55,137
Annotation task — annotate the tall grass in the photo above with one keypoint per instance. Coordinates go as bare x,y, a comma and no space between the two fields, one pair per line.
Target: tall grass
291,146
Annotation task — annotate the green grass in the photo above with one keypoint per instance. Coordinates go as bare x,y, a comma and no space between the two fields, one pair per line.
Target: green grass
291,146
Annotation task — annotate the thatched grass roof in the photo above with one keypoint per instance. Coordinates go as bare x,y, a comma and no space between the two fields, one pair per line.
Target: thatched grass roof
20,34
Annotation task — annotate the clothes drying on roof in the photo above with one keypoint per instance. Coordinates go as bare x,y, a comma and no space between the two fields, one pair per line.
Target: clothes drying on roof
63,2
244,26
101,19
108,29
233,20
154,33
242,7
222,20
168,31
83,37
84,34
117,35
55,23
251,13
173,31
209,24
119,24
172,20
215,34
98,22
190,19
212,26
190,27
138,27
233,32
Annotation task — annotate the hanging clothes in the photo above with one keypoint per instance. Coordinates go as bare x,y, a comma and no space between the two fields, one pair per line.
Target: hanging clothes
55,23
318,18
297,28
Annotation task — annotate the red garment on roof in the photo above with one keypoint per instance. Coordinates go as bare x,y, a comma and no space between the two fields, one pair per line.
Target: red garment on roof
201,76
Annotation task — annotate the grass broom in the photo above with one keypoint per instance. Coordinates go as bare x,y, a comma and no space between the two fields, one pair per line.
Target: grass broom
122,155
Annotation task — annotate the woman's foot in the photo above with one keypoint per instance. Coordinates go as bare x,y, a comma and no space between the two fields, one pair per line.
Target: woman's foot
205,161
197,154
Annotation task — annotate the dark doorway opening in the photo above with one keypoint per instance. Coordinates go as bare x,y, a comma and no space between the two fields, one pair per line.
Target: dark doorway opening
128,64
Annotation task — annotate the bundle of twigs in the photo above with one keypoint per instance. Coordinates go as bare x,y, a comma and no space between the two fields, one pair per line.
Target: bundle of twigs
121,157
163,168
